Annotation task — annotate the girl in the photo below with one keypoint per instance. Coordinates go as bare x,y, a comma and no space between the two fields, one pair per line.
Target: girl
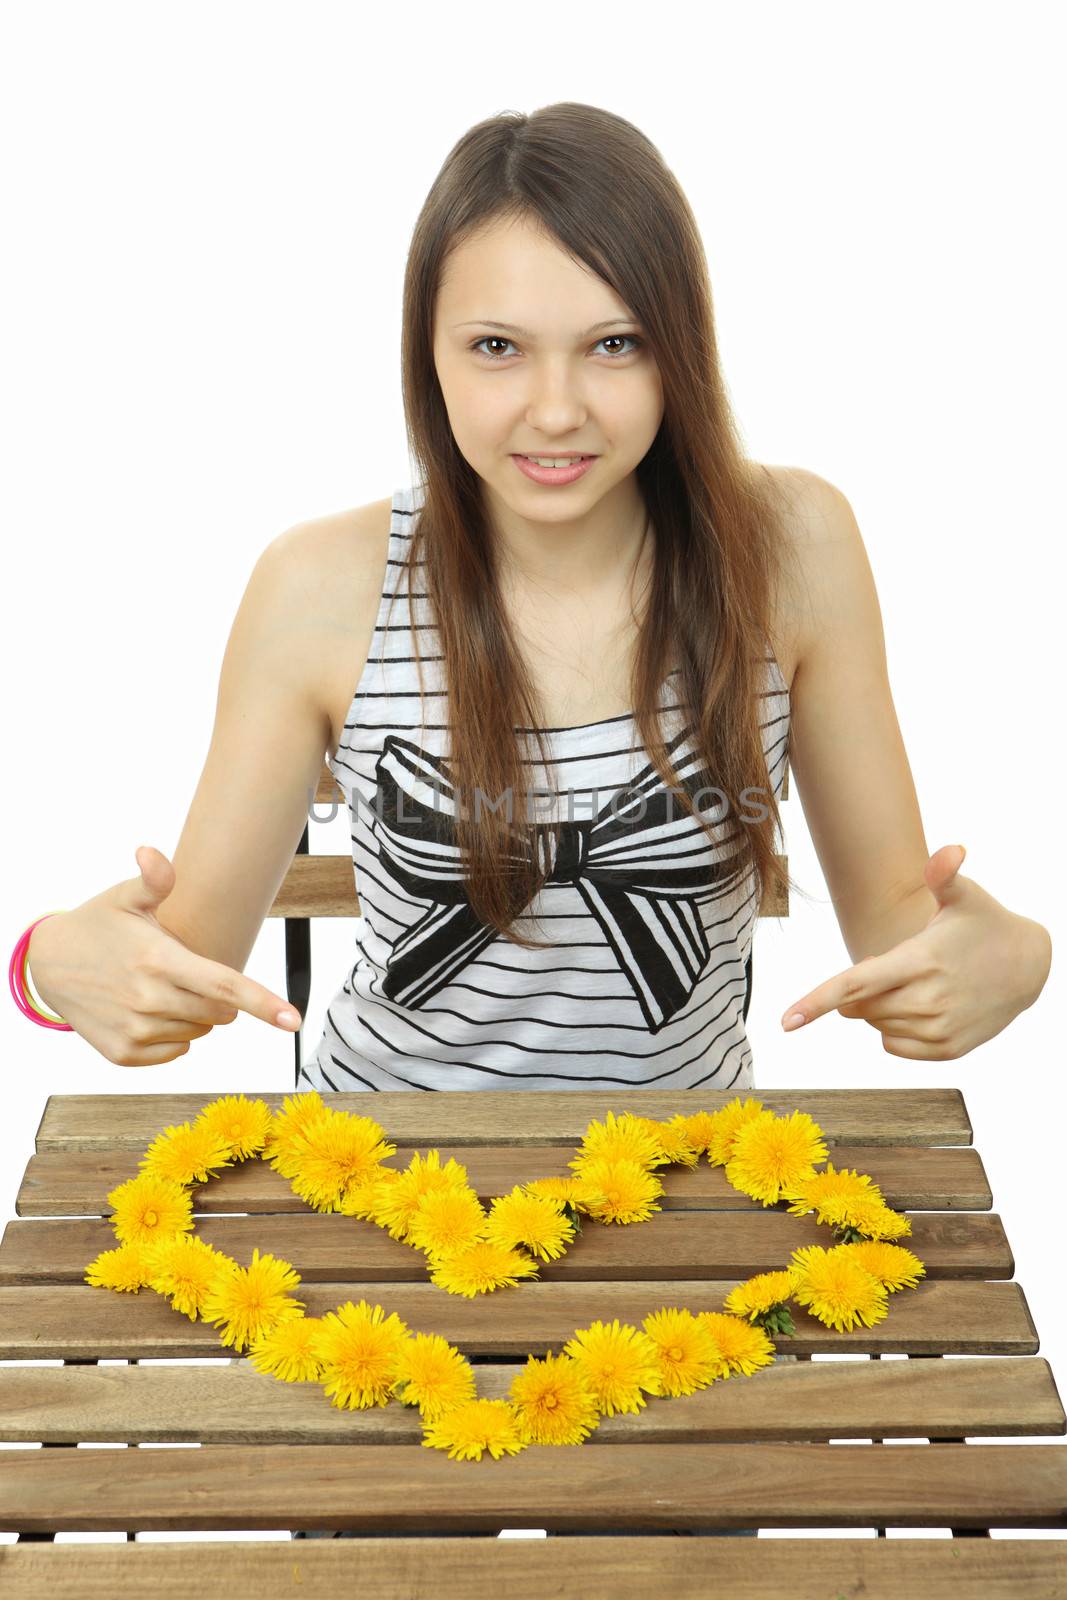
661,619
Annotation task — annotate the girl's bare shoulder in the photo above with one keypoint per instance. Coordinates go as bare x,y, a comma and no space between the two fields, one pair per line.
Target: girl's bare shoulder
814,515
336,565
338,561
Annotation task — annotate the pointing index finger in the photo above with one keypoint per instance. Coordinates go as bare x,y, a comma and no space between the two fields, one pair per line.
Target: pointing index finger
871,976
217,981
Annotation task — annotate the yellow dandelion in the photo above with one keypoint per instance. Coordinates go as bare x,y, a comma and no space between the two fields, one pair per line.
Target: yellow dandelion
760,1294
184,1269
624,1138
473,1427
362,1199
433,1375
689,1357
893,1266
289,1350
396,1205
446,1220
289,1125
878,1222
248,1301
298,1131
553,1401
838,1289
773,1154
700,1127
727,1124
244,1124
481,1267
188,1153
148,1208
744,1347
676,1148
340,1150
530,1220
619,1191
825,1192
565,1189
358,1347
617,1362
125,1268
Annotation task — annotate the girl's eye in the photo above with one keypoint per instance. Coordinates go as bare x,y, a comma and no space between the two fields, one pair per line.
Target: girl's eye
614,355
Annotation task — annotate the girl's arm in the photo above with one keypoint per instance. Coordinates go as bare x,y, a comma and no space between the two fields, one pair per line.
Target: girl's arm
149,964
846,752
941,965
270,734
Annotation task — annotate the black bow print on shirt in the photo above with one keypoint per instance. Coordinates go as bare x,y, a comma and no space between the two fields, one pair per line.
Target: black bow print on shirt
641,874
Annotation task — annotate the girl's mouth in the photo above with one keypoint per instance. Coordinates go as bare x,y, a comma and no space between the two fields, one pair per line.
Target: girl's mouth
569,473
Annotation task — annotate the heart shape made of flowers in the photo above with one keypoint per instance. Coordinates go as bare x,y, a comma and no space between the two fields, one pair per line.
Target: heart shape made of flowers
363,1356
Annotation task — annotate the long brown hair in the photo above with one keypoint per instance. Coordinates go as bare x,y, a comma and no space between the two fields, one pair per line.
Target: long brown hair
602,189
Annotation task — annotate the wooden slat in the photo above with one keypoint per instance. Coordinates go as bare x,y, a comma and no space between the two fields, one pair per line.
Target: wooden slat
317,886
235,1404
324,886
64,1183
531,1569
329,792
677,1244
952,1316
541,1117
630,1486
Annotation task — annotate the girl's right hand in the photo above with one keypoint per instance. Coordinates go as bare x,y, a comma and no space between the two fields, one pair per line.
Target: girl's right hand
133,990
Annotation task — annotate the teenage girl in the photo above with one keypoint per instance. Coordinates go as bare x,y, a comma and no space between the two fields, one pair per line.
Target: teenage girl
576,689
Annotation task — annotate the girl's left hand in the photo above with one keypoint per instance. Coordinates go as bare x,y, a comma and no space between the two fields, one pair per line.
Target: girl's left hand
950,987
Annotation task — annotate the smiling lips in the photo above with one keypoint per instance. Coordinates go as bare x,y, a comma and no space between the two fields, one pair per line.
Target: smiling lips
575,468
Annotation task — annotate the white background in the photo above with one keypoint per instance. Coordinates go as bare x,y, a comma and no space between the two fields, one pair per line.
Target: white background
207,210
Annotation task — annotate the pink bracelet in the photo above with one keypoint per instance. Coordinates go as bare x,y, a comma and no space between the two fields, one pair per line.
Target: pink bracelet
18,982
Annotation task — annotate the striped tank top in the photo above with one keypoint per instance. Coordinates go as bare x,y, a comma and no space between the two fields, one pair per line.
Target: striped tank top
643,983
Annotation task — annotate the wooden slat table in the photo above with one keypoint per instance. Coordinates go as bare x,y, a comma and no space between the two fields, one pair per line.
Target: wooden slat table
776,1450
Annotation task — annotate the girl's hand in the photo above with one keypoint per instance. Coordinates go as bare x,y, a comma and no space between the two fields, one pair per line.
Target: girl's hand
133,990
949,988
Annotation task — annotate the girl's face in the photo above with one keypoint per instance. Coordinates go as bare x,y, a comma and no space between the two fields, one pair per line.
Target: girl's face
552,382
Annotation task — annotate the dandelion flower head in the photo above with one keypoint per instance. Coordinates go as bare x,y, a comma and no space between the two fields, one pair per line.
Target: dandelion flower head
617,1361
148,1208
447,1219
184,1269
473,1427
533,1221
479,1267
359,1347
288,1351
433,1375
774,1154
554,1402
247,1301
689,1357
744,1347
619,1191
424,1174
185,1154
244,1125
837,1289
125,1269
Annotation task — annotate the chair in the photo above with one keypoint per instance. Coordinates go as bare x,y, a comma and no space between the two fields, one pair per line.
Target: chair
323,886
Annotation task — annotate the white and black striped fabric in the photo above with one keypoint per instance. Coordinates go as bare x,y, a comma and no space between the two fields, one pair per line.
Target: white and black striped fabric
644,981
